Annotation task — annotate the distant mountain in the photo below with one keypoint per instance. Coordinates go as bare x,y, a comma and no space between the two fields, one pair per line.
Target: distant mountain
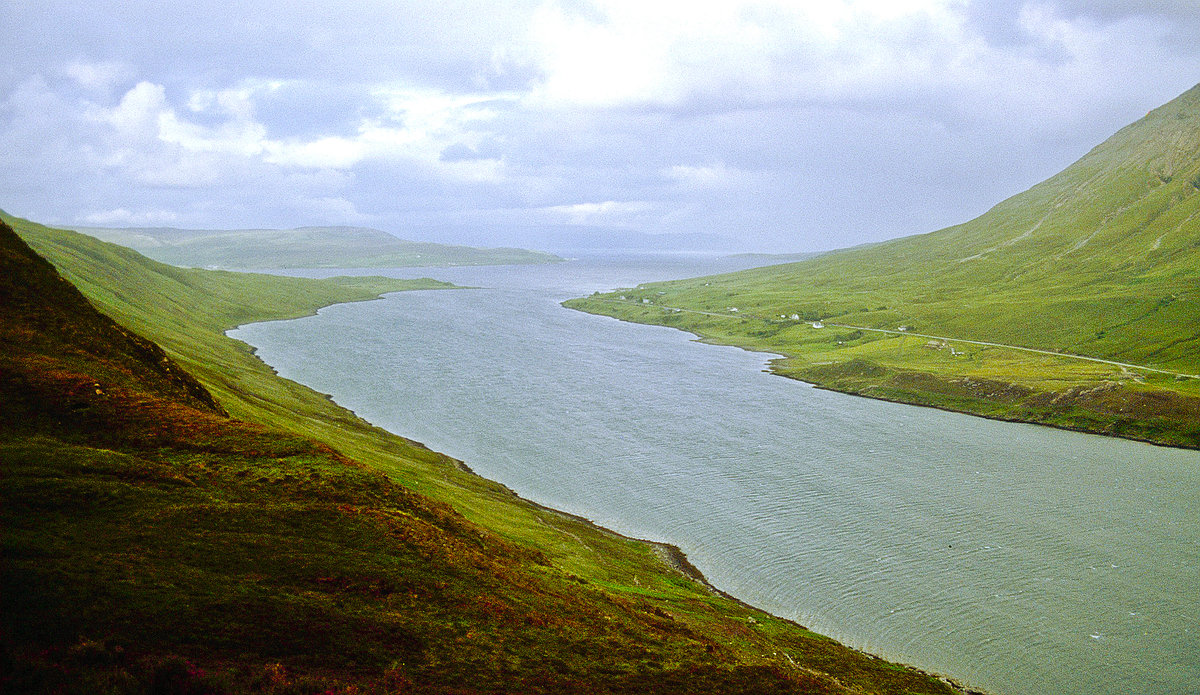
1101,260
581,239
304,247
623,240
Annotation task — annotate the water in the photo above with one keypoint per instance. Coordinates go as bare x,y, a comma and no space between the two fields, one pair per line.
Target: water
1016,558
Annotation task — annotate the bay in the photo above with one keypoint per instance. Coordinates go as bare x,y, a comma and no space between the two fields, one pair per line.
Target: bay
1016,558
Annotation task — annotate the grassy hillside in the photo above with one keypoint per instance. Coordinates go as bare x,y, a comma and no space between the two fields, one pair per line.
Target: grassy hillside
1101,260
154,544
305,247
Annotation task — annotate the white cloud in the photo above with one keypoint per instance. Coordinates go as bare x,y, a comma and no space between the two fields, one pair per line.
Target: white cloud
609,211
316,180
215,135
330,152
234,102
99,77
335,209
138,114
237,137
615,53
704,177
416,128
144,116
123,217
926,56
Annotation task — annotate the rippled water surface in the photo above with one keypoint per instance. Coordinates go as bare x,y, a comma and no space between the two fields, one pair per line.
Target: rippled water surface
1019,559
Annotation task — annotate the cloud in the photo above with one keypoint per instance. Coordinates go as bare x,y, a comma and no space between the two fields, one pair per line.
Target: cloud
1174,11
613,53
215,133
416,127
145,139
331,152
335,208
123,217
796,124
100,78
607,212
700,178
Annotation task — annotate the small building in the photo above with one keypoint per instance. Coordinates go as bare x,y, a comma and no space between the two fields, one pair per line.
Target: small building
795,317
902,329
818,324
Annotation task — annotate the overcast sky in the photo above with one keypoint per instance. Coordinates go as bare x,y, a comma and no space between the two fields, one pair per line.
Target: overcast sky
787,126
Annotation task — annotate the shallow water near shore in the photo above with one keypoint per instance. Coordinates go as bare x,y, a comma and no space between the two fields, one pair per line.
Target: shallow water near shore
1018,559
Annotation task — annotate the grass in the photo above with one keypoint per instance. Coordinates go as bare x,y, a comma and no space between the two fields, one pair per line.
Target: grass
155,544
1101,260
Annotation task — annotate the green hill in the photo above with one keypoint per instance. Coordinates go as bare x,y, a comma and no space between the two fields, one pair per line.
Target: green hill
1101,260
181,520
305,247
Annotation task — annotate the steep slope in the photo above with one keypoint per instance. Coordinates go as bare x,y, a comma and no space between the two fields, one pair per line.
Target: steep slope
1101,260
184,310
304,247
151,543
51,338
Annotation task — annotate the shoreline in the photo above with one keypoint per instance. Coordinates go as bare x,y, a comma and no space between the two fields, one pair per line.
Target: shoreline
671,556
775,356
996,418
674,558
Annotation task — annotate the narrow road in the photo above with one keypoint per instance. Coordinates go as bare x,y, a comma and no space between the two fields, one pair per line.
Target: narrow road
924,335
1023,349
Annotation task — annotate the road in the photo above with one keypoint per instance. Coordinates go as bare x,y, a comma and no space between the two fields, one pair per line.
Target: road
924,335
1023,349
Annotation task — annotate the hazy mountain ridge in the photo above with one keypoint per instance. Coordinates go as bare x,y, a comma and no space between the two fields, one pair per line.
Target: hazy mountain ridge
582,239
302,247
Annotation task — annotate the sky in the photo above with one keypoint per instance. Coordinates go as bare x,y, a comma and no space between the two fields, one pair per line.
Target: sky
776,125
